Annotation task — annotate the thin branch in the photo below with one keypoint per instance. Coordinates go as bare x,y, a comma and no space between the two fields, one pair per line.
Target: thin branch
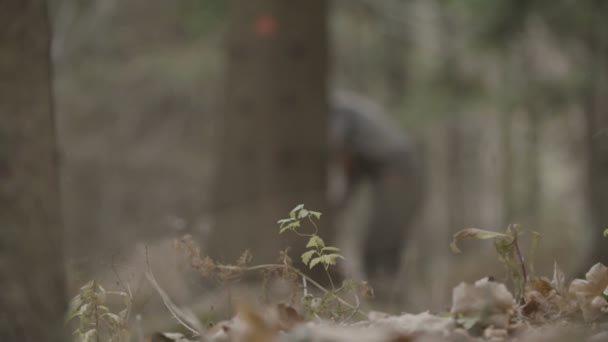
179,314
298,272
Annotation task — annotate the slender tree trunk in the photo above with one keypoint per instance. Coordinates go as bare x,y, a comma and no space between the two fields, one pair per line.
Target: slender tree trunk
273,144
32,295
395,52
532,164
533,110
508,196
596,115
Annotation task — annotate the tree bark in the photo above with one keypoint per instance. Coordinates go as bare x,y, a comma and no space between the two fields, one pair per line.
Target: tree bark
32,298
273,143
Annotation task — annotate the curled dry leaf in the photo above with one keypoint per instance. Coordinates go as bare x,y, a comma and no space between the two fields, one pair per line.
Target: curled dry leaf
473,233
488,302
589,292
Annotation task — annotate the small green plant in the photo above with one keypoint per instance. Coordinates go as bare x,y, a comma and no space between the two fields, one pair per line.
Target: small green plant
329,302
96,322
508,250
318,253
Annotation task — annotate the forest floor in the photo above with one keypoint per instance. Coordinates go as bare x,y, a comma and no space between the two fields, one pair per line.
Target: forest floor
290,306
548,310
279,302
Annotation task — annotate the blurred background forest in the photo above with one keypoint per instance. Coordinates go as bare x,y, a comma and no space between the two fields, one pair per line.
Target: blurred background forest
505,99
495,92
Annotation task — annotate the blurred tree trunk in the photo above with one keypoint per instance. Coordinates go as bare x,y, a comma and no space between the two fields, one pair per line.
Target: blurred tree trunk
33,298
521,129
463,136
395,51
531,200
506,152
596,115
273,143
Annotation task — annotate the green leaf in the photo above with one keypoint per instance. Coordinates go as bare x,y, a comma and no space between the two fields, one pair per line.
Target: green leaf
285,220
123,314
83,309
75,308
103,308
293,211
290,226
473,233
330,259
114,317
315,261
90,336
303,213
87,286
307,255
606,232
316,242
330,248
315,214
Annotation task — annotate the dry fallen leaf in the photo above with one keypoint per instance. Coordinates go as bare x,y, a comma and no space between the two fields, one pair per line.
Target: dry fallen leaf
488,302
472,233
589,292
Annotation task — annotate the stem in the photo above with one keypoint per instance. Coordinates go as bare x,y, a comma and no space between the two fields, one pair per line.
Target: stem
95,303
331,281
356,308
295,230
305,286
522,264
313,224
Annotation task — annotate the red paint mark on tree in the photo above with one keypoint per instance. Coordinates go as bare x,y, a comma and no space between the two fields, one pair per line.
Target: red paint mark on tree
266,25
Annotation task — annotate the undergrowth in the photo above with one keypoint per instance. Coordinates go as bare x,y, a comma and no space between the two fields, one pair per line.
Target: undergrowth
536,297
95,320
317,300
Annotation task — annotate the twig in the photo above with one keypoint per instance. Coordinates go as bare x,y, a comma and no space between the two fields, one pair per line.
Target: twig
180,315
305,286
298,272
356,309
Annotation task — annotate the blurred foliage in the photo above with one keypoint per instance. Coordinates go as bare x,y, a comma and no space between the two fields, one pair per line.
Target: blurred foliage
493,21
199,17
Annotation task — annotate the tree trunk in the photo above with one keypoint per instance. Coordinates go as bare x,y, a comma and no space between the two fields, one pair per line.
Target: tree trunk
32,298
395,52
596,116
273,143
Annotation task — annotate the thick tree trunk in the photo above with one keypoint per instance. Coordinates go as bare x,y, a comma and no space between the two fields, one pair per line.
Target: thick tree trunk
273,144
32,295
